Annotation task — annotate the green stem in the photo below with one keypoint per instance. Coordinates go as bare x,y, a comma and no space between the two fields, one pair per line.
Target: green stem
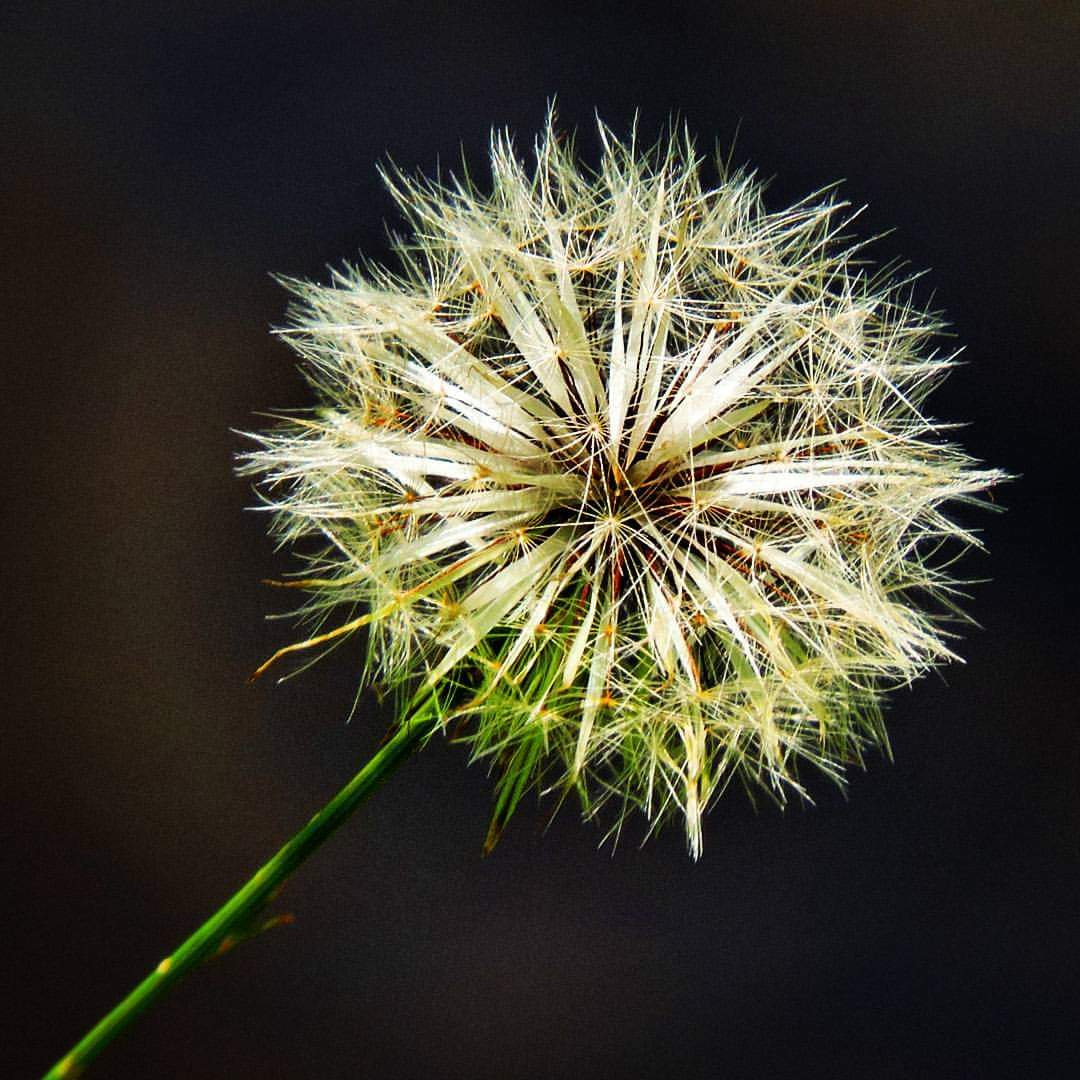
233,920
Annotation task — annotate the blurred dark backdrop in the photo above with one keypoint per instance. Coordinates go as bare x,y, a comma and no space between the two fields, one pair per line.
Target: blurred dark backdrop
159,163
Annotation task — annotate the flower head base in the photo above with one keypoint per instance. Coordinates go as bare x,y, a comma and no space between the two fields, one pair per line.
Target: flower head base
634,472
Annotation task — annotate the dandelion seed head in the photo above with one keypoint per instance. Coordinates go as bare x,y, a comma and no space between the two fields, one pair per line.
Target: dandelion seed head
634,470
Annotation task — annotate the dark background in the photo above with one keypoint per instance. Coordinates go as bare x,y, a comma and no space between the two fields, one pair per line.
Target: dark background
158,165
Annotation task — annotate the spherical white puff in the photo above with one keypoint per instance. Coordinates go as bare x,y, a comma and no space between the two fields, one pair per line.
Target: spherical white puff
634,472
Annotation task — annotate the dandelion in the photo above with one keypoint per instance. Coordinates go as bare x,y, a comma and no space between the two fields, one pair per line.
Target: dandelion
630,473
628,481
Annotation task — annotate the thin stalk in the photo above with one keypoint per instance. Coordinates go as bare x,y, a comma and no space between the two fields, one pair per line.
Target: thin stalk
233,920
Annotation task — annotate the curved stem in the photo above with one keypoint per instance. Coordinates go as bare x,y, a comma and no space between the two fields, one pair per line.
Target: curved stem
232,921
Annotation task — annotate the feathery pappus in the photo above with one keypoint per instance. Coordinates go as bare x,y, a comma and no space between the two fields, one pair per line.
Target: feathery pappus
629,469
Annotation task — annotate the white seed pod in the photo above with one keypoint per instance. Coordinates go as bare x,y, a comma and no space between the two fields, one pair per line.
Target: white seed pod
634,471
